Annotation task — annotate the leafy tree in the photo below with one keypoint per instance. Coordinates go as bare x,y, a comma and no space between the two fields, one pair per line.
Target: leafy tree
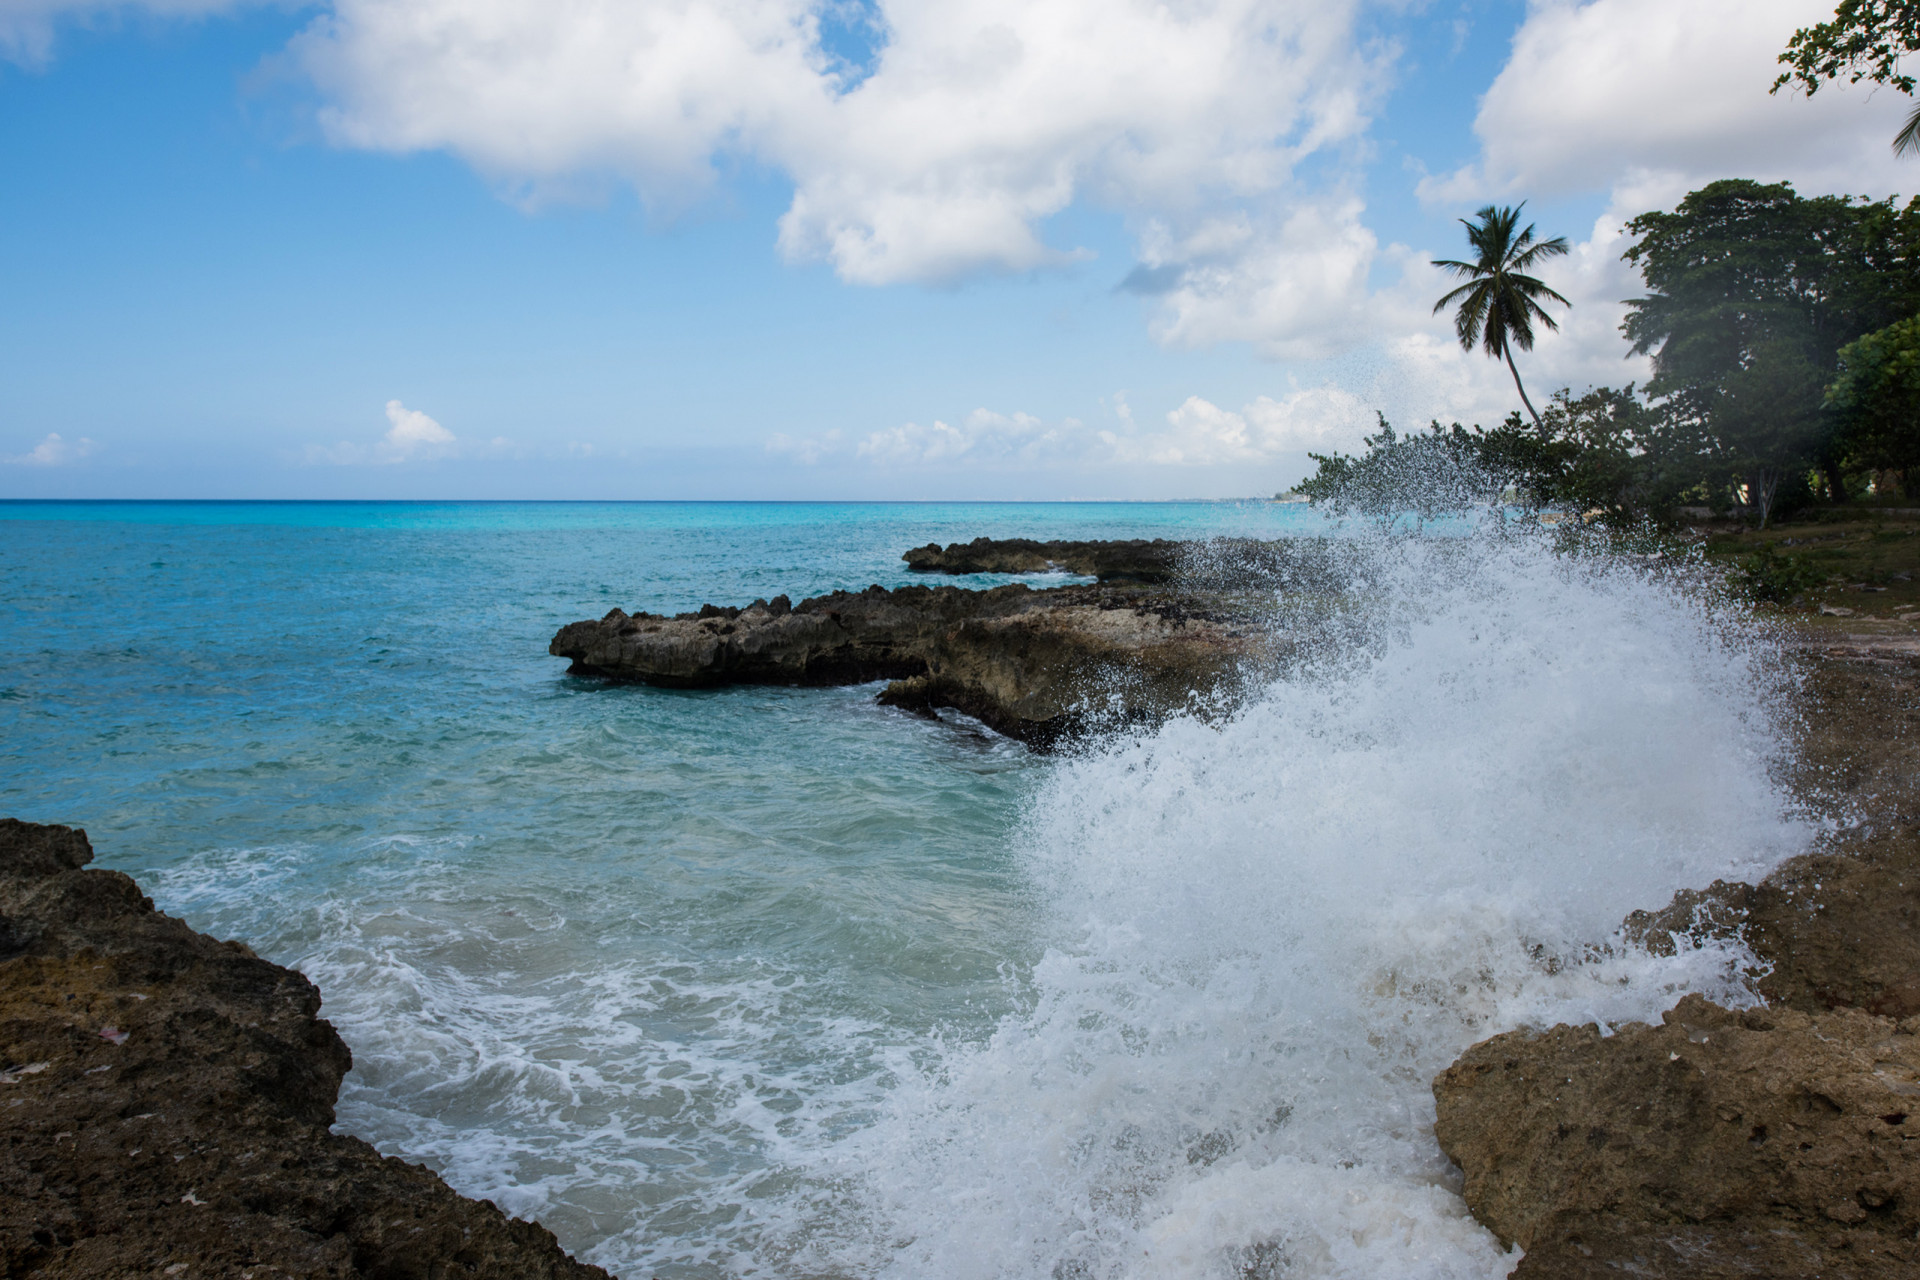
1864,41
1877,398
1752,290
1500,302
1603,453
1422,474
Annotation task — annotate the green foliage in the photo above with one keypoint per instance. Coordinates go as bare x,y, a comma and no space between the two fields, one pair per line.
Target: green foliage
1864,41
1877,399
1602,454
1752,291
1773,577
1421,475
1500,302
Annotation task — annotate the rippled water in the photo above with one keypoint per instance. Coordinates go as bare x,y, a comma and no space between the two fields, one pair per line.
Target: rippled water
777,982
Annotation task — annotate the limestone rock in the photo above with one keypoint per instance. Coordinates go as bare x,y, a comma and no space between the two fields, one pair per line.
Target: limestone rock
1035,665
1721,1143
1136,559
165,1101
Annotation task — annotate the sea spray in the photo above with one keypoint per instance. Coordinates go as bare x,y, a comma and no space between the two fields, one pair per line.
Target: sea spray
1273,929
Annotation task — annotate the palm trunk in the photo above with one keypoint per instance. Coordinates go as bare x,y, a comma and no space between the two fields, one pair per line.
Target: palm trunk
1508,353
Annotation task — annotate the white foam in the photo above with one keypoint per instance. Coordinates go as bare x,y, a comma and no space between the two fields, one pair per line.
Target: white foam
1274,931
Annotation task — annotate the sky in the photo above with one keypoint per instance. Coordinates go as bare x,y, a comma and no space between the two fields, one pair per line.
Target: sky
828,249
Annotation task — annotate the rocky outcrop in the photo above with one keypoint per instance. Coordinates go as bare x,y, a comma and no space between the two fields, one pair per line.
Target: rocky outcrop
165,1101
1035,665
1777,1142
1137,559
1719,1144
1209,564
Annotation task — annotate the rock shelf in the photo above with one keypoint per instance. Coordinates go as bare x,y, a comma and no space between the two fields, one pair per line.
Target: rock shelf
165,1103
1035,665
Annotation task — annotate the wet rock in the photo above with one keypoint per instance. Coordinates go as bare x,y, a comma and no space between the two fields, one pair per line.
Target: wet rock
1035,665
165,1101
1721,1143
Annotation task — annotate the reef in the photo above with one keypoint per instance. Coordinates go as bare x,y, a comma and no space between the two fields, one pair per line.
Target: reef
166,1102
1035,665
1782,1140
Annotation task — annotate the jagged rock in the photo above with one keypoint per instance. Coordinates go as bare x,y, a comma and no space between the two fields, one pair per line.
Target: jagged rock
1756,1143
1136,559
1210,564
1035,665
165,1101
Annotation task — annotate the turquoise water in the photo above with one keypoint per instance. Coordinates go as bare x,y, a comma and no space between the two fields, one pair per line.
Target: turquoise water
620,958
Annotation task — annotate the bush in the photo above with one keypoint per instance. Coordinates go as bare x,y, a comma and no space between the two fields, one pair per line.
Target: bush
1771,577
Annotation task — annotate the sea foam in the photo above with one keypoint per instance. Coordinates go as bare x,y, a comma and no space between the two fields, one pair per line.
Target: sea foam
1270,931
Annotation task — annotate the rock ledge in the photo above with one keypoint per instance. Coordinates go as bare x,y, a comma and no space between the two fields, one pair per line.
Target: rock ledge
165,1101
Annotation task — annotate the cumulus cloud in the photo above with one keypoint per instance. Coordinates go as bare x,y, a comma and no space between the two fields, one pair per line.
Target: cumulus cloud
411,437
1664,97
1229,134
977,121
53,451
1198,433
1294,286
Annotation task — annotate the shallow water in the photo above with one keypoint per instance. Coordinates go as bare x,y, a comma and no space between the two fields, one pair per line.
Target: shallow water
775,981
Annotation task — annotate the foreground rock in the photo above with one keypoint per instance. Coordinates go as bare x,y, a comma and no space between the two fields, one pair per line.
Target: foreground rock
1780,1142
1036,665
1720,1144
165,1102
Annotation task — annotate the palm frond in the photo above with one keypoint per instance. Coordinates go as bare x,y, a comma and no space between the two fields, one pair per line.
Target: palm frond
1907,141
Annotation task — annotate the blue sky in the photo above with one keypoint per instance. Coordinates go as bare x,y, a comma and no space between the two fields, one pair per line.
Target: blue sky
302,251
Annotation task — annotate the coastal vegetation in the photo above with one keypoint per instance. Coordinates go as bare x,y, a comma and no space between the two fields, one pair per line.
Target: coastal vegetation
1784,332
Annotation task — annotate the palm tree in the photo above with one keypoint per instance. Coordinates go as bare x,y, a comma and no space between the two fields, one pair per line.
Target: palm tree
1500,302
1907,141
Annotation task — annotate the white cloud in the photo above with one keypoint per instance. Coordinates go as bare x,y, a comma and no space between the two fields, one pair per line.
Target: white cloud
1665,97
1294,287
1198,433
411,437
979,119
53,451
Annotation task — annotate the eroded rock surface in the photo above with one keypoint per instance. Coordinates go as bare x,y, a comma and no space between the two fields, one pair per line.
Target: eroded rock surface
165,1101
1035,665
1759,1143
1137,559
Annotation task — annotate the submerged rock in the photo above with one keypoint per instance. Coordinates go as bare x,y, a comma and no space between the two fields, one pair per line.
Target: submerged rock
1035,665
165,1103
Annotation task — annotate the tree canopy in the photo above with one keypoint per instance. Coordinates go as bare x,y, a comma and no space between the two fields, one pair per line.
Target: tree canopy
1752,290
1877,398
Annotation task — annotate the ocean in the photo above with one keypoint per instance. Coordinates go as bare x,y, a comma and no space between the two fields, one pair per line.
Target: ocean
777,982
